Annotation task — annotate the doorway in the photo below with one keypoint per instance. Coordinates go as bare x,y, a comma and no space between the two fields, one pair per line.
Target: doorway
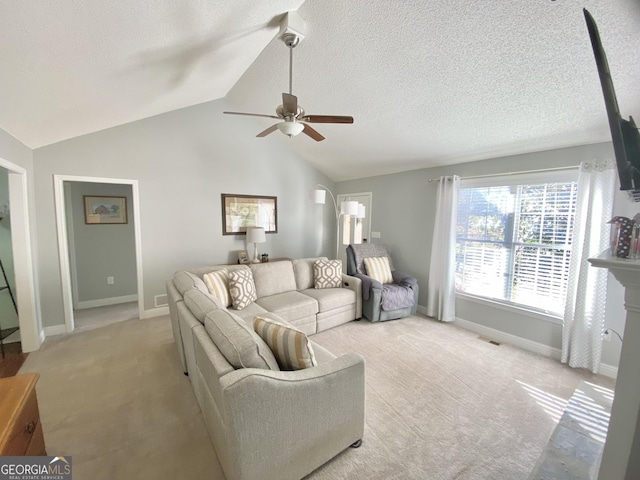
352,229
21,246
97,268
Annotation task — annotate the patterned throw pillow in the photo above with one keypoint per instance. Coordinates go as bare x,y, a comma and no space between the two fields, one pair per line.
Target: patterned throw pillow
290,346
327,273
218,284
378,268
242,288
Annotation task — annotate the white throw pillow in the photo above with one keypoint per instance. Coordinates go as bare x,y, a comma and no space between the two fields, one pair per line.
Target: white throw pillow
378,268
218,284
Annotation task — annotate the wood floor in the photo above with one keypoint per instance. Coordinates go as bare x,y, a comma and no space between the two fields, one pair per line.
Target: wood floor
13,359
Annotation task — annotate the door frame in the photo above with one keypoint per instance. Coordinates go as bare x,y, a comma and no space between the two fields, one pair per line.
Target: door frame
29,318
63,240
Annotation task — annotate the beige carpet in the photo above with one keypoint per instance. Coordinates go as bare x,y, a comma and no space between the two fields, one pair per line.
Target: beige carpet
441,404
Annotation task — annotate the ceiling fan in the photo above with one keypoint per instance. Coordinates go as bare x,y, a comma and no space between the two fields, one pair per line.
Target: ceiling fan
296,120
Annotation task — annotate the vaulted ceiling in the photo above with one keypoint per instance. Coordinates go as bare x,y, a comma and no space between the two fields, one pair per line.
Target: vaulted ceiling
429,83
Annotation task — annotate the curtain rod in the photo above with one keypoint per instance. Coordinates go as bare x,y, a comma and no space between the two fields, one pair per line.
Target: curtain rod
511,173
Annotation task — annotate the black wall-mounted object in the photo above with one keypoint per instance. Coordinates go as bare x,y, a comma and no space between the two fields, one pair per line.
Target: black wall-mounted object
624,133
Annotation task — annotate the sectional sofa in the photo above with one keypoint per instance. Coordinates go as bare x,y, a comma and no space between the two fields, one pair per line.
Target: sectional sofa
263,422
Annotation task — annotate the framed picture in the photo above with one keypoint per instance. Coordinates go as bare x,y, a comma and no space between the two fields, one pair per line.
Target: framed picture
242,211
105,210
243,256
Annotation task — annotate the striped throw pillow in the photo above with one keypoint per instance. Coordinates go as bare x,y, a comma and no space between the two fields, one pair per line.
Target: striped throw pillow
378,268
218,285
290,346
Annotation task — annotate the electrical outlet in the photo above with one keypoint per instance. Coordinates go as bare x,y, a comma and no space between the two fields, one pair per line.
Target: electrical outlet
110,281
607,335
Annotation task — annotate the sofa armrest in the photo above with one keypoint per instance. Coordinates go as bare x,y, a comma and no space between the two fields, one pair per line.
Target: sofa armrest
355,284
404,279
285,424
369,285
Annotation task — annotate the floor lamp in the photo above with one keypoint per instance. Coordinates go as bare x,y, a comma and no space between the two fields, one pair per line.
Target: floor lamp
348,207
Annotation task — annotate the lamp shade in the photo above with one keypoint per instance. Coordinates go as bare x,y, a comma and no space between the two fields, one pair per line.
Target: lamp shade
317,196
350,207
256,235
361,211
290,128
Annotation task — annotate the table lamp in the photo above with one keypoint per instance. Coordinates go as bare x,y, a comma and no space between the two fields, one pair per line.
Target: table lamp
256,235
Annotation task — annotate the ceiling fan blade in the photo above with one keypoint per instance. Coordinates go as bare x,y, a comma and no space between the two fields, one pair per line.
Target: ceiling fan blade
312,133
269,130
327,119
252,115
289,104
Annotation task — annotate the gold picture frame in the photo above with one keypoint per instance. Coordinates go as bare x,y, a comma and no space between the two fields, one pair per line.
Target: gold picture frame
240,212
105,210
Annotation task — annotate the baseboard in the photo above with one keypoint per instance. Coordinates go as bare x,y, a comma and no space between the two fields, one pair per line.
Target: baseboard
13,338
526,344
608,370
503,337
103,302
155,312
54,330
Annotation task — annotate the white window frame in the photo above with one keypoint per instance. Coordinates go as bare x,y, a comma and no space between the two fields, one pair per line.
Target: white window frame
556,176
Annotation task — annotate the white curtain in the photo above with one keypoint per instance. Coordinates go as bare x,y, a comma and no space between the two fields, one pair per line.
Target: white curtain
441,293
583,325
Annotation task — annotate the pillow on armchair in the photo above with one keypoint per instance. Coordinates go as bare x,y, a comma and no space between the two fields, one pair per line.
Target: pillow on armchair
379,269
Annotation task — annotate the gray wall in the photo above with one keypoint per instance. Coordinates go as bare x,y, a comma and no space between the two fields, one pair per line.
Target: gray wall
404,213
100,251
183,161
8,315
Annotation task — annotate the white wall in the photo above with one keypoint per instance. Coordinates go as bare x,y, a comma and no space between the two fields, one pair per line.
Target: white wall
183,161
100,250
404,213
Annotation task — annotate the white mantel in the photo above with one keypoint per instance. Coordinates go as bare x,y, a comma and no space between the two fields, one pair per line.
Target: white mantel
621,456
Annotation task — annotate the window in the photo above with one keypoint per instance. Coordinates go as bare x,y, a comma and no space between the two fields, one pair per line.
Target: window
513,240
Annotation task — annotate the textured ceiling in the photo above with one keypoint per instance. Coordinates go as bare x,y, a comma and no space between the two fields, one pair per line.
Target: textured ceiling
429,82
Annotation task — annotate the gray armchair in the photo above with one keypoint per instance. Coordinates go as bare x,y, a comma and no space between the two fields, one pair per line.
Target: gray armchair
382,302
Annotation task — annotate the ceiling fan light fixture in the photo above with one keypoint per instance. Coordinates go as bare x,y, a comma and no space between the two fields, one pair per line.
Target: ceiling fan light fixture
291,128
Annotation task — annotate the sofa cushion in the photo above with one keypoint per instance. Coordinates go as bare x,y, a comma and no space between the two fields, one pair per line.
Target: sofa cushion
241,288
248,312
200,303
303,271
290,346
289,305
217,283
239,344
184,281
327,273
378,268
331,298
272,278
